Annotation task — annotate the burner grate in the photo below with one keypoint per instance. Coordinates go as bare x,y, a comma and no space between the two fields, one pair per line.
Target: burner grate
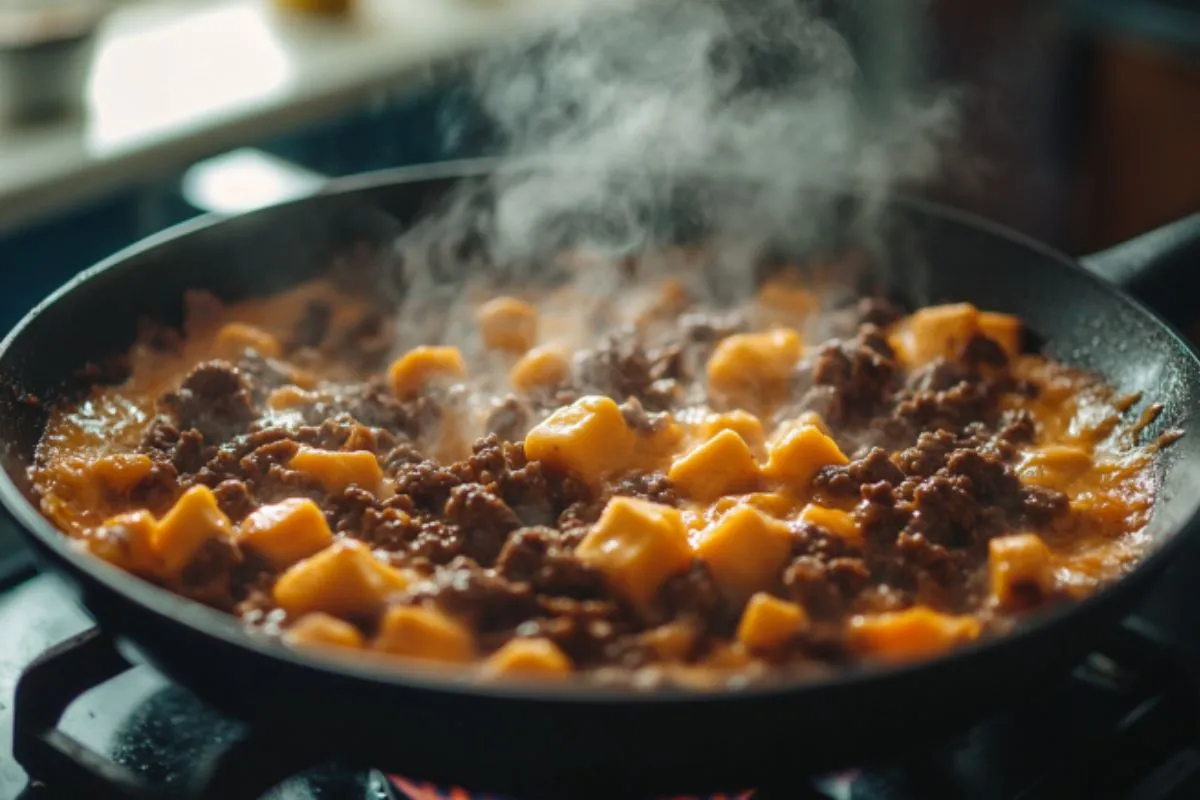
1147,747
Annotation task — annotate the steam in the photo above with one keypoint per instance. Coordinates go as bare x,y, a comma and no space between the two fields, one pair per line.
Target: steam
622,109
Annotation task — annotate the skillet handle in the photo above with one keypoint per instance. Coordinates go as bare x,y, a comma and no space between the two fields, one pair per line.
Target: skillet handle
1160,268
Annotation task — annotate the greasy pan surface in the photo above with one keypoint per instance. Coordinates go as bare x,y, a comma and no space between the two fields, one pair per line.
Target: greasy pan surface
525,739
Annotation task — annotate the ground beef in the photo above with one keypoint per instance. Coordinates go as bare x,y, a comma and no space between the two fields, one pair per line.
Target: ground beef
207,577
582,629
878,311
426,484
846,481
313,326
485,600
510,420
213,399
367,343
982,351
825,586
235,499
694,595
485,519
537,556
622,367
652,486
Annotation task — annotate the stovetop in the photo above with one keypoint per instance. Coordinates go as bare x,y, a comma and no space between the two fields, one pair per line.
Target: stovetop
1124,724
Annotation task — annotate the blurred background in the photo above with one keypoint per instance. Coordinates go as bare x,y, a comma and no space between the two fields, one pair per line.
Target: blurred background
1081,118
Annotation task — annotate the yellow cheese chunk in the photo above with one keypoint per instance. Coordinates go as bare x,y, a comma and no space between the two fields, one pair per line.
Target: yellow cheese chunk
420,367
507,323
794,458
637,545
127,541
334,470
235,338
754,367
194,520
285,532
122,471
808,419
289,396
540,368
317,6
1003,329
424,633
786,297
837,522
743,423
674,641
935,331
722,465
772,503
1020,569
745,550
589,439
915,633
322,630
532,657
1054,466
768,622
343,580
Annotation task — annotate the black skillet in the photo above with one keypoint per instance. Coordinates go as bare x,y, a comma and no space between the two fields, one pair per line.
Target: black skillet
567,741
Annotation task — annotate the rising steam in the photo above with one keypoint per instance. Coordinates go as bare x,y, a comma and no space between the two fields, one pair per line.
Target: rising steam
633,102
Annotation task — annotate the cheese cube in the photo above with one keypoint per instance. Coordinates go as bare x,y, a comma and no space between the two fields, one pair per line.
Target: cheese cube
286,532
754,366
540,368
1055,466
335,470
637,545
915,633
507,323
743,423
343,580
787,297
122,471
192,521
127,541
322,630
424,633
935,331
588,439
235,338
531,657
795,458
423,366
837,522
745,551
722,465
1020,569
768,622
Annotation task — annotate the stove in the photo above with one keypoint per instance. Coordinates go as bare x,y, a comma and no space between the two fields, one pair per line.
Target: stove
78,721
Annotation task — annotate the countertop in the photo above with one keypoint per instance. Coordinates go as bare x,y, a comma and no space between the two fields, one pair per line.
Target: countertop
174,81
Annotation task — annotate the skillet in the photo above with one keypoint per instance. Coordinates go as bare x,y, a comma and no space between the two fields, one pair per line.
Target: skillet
571,741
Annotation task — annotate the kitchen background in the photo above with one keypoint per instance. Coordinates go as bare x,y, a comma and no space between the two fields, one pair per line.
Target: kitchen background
1080,118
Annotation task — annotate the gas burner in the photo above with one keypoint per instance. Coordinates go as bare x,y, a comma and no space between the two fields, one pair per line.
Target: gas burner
1123,724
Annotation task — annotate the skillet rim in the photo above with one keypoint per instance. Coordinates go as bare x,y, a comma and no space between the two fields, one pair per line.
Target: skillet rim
206,622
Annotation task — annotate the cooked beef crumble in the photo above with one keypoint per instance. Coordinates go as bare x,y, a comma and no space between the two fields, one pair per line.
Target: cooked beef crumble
889,502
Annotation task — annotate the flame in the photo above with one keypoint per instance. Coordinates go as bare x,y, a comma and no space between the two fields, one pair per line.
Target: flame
414,790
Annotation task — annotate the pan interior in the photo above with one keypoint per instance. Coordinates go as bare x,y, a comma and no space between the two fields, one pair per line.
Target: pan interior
920,253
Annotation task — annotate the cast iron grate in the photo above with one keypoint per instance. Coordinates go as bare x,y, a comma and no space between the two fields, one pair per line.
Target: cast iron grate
1124,725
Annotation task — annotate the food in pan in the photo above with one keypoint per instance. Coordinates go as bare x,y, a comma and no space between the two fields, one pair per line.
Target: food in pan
637,487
